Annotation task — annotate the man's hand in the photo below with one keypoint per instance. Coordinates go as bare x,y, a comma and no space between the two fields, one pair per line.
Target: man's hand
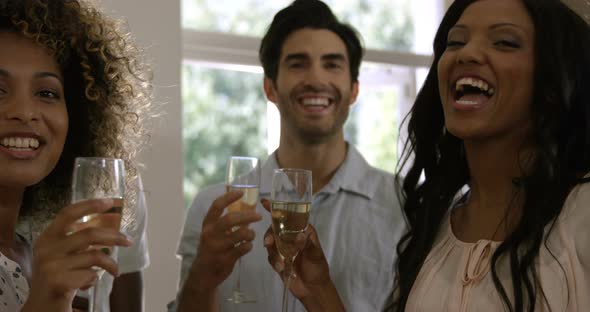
224,239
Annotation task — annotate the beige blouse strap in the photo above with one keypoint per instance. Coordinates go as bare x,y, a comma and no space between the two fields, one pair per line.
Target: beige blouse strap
575,216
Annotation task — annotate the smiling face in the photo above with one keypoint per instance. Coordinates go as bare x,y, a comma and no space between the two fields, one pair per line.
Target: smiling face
313,90
486,73
33,114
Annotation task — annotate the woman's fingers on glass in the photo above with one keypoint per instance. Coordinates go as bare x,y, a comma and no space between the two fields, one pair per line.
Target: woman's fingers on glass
71,280
269,239
92,280
74,212
90,259
266,204
313,249
76,270
87,261
301,240
274,259
219,205
83,239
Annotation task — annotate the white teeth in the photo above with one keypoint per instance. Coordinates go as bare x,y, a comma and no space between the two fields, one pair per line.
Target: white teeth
20,143
315,102
477,83
464,102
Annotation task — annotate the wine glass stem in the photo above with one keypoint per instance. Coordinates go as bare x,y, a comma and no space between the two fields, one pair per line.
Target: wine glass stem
288,273
93,298
237,286
286,294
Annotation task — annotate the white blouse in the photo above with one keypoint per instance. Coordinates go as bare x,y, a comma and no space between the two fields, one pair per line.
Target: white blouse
456,275
14,288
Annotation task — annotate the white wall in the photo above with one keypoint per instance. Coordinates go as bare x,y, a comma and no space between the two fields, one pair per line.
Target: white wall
156,26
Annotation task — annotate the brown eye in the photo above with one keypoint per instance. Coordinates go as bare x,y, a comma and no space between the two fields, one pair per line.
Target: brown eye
48,94
296,65
507,43
454,43
332,66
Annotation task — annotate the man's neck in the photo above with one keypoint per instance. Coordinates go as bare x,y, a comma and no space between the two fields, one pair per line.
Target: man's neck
323,159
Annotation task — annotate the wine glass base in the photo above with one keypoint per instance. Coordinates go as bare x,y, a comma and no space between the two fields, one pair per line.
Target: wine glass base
240,297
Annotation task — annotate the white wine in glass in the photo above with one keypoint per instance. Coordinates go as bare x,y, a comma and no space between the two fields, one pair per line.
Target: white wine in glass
290,207
99,178
243,174
288,220
248,201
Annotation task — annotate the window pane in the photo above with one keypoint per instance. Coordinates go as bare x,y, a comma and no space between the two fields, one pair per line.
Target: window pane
376,116
385,24
224,114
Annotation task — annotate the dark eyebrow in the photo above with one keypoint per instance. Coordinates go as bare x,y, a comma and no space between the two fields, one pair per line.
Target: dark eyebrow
325,57
494,26
504,24
461,26
38,75
334,57
48,74
296,57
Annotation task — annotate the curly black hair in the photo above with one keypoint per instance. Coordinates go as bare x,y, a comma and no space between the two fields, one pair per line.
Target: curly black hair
107,91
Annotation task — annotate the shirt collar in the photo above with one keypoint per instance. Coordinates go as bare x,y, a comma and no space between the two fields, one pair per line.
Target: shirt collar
268,167
350,176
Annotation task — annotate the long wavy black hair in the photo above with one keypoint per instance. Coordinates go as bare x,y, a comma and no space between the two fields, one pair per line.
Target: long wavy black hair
561,138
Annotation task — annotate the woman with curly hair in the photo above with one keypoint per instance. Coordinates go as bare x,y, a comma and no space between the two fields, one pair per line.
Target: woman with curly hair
497,166
70,86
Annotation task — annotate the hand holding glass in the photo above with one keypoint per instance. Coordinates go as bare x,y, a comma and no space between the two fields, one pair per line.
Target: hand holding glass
290,206
243,174
99,178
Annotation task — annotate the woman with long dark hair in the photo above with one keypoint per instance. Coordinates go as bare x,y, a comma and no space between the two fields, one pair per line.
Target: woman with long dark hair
495,168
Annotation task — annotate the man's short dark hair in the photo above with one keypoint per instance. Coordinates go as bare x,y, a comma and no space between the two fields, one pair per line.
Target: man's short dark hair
312,14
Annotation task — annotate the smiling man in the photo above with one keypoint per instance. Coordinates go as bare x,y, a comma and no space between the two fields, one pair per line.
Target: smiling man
311,64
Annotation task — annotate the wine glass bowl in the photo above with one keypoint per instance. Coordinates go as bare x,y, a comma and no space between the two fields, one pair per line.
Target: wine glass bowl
288,221
291,195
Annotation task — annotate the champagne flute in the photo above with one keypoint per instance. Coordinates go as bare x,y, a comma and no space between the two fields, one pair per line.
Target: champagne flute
99,178
243,174
290,206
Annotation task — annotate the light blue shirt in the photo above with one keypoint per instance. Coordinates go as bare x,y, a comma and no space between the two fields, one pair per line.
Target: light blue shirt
358,220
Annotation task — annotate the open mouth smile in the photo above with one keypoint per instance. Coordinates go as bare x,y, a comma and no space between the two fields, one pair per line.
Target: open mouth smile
21,147
471,91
